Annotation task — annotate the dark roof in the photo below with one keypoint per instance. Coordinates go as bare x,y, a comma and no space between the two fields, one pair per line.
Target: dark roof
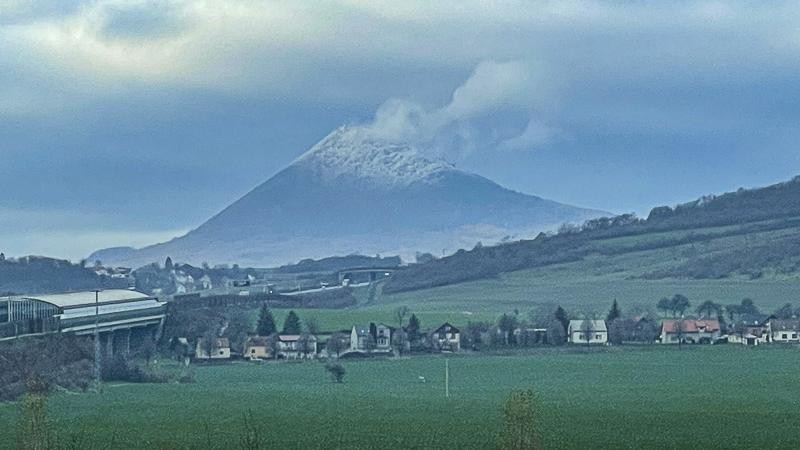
754,320
221,342
785,324
256,341
361,330
447,327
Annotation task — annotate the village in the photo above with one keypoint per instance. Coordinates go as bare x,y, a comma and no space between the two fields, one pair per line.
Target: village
125,320
380,339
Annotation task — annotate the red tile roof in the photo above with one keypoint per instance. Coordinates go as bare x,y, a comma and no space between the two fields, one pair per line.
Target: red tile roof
691,325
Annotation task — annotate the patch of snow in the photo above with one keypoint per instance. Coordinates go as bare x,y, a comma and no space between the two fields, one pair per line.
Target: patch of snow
357,153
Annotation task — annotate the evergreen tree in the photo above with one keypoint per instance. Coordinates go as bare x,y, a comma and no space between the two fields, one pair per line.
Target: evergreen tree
292,324
168,264
266,322
507,324
556,335
561,316
373,331
614,313
413,327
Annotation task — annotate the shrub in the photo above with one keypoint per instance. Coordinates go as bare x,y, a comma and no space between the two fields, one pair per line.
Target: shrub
120,368
336,370
58,361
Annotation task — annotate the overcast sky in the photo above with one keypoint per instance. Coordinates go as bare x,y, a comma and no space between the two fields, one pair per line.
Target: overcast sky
127,122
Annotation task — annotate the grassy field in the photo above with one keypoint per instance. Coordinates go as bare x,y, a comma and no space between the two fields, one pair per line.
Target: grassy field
579,287
654,397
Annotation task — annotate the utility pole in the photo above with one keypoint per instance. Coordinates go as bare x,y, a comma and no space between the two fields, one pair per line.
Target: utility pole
97,335
446,379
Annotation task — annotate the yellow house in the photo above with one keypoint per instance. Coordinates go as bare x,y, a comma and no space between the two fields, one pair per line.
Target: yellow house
256,347
221,350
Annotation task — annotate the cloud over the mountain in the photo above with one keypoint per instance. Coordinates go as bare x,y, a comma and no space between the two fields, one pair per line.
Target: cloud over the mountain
493,87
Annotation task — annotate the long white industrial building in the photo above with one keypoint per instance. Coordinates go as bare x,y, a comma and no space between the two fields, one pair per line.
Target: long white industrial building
116,314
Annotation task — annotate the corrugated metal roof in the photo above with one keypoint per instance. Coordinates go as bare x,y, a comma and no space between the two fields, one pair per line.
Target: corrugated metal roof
88,298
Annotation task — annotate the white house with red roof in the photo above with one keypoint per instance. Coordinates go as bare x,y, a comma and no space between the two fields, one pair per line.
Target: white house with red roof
690,331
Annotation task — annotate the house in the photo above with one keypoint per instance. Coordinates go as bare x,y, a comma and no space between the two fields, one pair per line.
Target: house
297,346
751,329
371,338
206,283
446,338
690,331
530,336
587,332
784,330
290,346
221,349
256,347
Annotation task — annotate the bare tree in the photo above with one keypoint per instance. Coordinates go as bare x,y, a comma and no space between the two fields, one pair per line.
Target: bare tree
251,438
305,344
679,331
399,340
34,430
274,345
400,314
587,330
208,342
312,325
336,343
519,428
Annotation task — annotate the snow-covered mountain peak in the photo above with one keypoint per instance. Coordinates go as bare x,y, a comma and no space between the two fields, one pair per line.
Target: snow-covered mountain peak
356,152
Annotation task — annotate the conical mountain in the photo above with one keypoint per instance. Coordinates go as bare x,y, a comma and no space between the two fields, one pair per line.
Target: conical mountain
353,192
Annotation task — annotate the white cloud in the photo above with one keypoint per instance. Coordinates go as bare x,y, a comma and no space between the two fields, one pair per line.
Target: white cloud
493,85
491,88
535,135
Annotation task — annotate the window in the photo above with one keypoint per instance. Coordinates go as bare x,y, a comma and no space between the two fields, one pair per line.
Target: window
794,335
221,352
784,336
598,337
253,351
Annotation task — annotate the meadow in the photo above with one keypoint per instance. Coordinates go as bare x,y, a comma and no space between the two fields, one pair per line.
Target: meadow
588,286
644,397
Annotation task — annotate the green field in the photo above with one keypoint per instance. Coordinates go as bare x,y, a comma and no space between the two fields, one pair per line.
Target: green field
580,287
652,397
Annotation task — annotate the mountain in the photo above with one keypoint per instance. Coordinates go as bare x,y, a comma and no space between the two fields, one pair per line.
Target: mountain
354,192
750,234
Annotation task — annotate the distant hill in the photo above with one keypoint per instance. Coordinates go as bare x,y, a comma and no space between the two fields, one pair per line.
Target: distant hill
41,275
353,192
744,233
337,263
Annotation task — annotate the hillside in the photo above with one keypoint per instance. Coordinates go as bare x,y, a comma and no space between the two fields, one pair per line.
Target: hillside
336,263
38,275
353,192
746,233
